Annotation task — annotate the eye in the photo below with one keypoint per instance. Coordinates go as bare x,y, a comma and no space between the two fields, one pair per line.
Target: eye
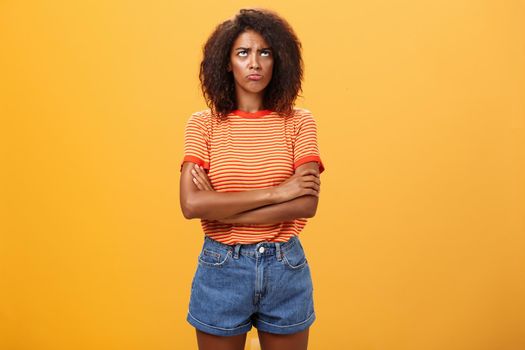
241,53
266,53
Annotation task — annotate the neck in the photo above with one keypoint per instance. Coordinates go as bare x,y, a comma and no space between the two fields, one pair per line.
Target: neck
250,102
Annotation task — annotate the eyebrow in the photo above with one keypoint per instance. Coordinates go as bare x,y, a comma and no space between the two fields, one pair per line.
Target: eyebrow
248,49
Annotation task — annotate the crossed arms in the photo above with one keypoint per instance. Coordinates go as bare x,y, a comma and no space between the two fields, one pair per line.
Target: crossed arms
264,206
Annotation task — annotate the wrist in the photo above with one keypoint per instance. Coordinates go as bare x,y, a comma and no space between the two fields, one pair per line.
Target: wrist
273,196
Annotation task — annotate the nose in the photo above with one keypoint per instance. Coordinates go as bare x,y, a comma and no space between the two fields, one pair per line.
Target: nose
254,62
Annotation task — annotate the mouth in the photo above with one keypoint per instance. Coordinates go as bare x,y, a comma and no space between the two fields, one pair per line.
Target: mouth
255,77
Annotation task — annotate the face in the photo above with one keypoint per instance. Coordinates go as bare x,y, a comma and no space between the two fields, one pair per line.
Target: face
251,61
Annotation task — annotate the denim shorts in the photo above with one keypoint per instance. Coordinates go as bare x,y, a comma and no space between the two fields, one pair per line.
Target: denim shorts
266,284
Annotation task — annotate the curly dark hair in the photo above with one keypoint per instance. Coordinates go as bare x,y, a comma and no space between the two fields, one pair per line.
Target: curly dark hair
218,85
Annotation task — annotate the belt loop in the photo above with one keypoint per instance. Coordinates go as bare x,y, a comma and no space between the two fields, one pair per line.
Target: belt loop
236,251
278,250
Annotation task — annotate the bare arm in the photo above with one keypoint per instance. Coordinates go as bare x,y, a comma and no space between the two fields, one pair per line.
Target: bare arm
274,213
300,207
214,205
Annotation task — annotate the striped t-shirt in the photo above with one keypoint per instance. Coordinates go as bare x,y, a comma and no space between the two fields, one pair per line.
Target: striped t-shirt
249,151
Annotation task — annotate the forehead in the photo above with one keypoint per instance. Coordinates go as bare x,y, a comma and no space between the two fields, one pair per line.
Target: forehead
249,38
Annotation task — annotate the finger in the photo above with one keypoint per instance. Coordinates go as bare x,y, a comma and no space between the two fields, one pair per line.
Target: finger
194,171
313,193
311,178
307,185
203,179
312,185
310,171
315,179
197,172
208,182
208,186
202,184
196,182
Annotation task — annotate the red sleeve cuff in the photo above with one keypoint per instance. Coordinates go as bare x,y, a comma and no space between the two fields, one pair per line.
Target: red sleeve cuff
307,159
196,160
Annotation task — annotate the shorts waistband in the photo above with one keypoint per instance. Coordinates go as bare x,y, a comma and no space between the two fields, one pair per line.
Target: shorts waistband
270,248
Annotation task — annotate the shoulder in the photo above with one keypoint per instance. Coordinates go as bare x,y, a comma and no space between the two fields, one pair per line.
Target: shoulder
202,114
302,115
200,120
302,112
202,117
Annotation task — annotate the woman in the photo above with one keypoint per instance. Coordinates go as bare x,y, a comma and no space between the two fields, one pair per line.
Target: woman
251,174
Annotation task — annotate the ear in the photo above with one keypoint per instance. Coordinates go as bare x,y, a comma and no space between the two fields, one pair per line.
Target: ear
229,67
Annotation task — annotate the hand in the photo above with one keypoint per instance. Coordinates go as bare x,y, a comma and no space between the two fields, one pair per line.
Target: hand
200,179
306,182
203,183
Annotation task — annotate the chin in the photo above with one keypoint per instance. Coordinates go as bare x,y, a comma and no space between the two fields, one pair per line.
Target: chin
257,90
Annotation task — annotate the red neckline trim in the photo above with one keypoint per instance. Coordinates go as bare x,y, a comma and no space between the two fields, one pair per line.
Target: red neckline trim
257,114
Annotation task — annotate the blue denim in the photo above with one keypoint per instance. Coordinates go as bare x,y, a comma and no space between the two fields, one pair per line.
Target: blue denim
266,284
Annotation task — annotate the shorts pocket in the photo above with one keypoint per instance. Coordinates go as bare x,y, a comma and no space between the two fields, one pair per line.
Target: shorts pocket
295,258
213,257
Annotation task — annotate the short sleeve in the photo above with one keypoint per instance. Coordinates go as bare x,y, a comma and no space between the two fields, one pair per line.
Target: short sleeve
196,141
305,144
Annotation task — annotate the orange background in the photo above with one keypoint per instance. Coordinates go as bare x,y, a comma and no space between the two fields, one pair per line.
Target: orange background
418,242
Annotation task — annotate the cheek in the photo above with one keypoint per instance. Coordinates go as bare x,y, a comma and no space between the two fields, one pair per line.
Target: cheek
237,65
237,70
270,69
